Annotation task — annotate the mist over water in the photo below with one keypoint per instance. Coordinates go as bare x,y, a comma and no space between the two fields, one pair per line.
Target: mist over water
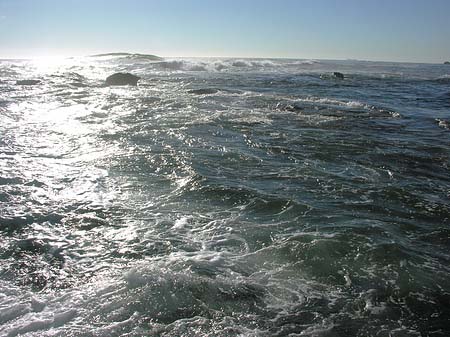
224,197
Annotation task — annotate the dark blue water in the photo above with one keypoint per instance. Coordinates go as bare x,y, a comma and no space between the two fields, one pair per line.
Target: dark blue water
224,198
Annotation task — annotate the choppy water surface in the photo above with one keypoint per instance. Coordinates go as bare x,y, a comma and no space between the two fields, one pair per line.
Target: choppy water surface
224,198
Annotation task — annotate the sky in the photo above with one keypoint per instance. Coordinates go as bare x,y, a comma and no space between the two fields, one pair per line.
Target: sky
383,30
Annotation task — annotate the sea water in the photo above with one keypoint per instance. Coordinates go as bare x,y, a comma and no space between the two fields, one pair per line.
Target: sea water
224,197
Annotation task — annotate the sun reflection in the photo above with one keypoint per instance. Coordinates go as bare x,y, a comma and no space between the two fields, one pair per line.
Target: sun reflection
49,62
45,65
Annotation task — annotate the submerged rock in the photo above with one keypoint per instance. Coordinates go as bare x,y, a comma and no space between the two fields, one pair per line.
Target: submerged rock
338,75
28,82
288,107
122,79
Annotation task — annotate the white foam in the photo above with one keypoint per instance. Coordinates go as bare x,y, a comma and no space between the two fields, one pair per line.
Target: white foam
114,328
181,223
331,101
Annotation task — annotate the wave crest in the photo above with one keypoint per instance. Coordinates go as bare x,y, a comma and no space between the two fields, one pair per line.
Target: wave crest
219,65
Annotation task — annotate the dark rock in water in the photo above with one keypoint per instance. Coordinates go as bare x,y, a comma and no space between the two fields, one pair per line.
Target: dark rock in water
338,75
207,91
446,62
122,79
28,82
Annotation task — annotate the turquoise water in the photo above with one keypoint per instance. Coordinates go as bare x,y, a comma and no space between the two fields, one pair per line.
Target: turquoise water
224,197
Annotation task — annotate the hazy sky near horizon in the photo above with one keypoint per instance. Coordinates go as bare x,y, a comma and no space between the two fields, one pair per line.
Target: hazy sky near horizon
395,30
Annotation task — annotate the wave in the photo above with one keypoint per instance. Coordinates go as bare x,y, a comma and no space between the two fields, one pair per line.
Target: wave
211,65
331,101
300,104
445,79
204,91
253,63
305,62
180,65
7,72
217,65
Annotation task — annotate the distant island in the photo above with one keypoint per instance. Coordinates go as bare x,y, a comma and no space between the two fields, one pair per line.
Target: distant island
446,62
131,55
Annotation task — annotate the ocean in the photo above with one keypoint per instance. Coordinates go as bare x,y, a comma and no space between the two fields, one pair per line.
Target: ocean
224,197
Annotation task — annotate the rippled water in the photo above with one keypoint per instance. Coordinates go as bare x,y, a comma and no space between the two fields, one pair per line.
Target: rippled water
224,198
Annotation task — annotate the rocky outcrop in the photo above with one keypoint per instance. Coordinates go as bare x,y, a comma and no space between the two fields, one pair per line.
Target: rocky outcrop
28,82
122,79
147,57
338,75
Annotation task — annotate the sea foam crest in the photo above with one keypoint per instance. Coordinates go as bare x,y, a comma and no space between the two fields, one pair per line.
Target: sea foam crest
331,101
223,64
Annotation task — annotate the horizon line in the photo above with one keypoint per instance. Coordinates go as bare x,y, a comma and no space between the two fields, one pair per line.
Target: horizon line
101,54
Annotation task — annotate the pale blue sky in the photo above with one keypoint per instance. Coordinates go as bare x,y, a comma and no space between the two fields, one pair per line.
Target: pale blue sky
396,30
